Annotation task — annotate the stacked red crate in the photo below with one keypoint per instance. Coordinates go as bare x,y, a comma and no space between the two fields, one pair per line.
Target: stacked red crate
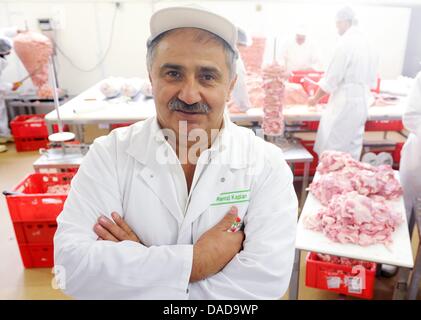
30,132
357,281
33,208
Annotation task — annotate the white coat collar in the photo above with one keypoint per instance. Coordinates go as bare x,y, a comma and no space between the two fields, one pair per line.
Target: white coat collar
228,146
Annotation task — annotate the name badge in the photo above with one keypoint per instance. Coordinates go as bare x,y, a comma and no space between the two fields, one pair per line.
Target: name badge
232,197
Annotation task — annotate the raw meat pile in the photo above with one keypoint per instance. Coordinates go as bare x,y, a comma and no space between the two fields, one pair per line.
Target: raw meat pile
354,195
111,87
34,119
345,261
34,50
354,218
273,84
253,55
59,188
131,87
340,173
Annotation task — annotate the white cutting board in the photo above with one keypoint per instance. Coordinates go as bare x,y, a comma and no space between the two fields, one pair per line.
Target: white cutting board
399,253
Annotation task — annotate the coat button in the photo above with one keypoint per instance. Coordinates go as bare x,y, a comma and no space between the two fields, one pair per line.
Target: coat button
222,179
151,175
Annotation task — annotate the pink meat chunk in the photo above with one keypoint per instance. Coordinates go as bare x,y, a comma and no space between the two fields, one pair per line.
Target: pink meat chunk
346,261
34,50
355,218
339,174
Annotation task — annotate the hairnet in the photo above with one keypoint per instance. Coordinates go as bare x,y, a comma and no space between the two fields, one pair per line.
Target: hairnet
346,13
5,45
243,38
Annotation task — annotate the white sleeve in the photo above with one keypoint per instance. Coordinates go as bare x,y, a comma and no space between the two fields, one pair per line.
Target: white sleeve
5,87
412,114
9,32
336,71
104,269
262,270
240,94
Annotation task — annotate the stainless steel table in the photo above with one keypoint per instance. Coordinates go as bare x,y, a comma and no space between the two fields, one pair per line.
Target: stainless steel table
294,152
58,161
16,101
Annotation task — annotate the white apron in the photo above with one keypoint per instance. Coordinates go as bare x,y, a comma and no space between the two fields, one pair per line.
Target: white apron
342,123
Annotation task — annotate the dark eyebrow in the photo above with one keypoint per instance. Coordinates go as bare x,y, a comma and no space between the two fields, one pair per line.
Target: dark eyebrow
171,66
212,70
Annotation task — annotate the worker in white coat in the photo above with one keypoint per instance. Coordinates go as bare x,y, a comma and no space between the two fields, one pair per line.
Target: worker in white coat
410,165
240,96
5,87
154,213
300,54
348,79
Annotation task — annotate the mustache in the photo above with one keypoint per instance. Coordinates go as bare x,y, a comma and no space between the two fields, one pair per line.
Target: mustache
178,105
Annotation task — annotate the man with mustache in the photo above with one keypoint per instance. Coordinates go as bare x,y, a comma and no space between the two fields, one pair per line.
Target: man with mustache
184,205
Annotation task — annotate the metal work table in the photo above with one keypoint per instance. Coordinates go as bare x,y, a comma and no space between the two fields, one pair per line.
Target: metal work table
399,253
294,152
91,107
18,101
56,160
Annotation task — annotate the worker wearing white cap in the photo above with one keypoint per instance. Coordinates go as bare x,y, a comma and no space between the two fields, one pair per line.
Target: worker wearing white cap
300,54
184,205
5,87
240,96
348,79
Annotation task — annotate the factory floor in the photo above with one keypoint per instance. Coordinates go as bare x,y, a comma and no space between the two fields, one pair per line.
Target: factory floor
19,283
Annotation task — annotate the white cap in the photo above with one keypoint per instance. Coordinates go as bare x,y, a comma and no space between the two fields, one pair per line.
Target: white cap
243,37
5,45
346,13
193,17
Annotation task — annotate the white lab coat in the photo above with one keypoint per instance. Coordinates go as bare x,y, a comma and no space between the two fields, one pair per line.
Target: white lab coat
240,94
121,173
351,73
5,88
300,57
410,165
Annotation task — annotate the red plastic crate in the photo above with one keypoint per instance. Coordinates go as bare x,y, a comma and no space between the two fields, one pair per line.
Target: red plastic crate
299,167
335,277
35,231
310,125
386,125
119,125
30,144
34,129
37,255
309,88
397,152
34,204
23,129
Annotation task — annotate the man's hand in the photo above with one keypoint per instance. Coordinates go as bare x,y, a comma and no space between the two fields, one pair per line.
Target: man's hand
117,230
216,247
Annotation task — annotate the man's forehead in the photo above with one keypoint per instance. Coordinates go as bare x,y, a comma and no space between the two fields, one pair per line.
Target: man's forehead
176,48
